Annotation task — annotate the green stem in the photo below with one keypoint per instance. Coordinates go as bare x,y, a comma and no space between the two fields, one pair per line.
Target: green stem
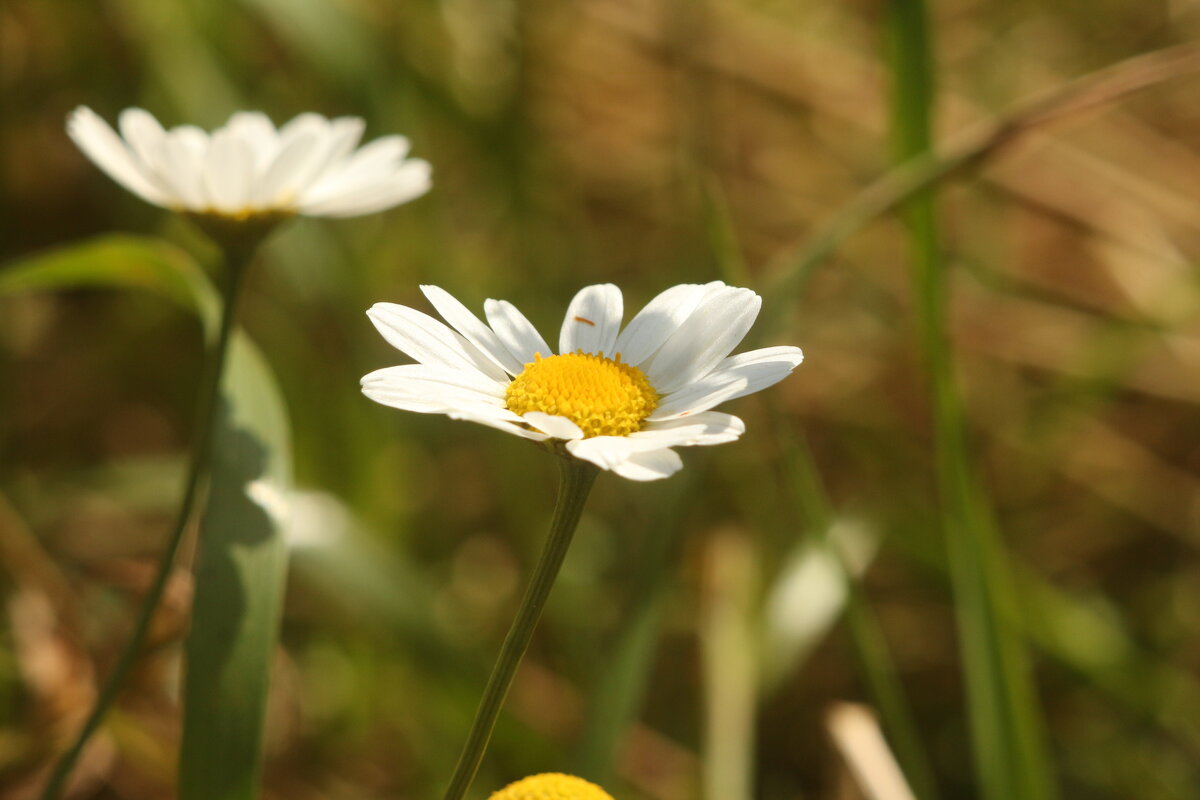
1005,720
576,478
236,260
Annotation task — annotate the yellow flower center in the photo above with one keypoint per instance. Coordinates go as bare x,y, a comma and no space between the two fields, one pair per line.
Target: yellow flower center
602,396
552,786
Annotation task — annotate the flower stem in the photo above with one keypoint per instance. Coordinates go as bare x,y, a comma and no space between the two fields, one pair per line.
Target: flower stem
237,257
576,478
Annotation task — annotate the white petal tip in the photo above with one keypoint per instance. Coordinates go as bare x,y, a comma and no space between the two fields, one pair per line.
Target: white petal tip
555,426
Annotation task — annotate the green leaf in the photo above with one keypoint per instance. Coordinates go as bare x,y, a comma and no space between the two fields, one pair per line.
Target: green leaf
118,261
242,557
240,569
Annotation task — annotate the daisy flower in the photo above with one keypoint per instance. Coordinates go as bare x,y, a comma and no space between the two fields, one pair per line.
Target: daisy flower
621,399
551,786
249,169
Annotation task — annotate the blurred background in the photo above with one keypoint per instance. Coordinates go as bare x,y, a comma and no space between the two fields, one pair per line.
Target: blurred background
695,642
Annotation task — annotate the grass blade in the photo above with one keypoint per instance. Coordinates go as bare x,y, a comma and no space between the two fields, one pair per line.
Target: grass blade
1005,722
239,576
242,560
870,645
116,262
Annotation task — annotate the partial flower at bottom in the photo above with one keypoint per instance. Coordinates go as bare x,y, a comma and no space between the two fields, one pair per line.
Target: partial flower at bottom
619,398
551,786
247,168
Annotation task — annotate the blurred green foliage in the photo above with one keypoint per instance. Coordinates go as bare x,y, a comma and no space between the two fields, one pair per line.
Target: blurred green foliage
645,144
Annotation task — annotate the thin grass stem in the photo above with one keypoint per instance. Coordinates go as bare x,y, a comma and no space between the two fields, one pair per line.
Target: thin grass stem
1005,721
921,170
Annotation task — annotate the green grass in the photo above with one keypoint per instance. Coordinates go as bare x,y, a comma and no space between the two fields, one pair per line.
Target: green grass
1006,724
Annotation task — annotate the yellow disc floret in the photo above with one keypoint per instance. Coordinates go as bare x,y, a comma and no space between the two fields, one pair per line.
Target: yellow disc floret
551,786
601,395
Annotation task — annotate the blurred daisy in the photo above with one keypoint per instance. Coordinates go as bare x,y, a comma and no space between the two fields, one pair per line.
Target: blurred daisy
248,169
620,399
551,786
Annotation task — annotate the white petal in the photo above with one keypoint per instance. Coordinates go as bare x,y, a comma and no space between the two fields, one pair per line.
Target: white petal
197,140
466,323
627,457
429,398
276,187
308,121
430,342
501,424
704,338
100,143
408,182
335,140
256,130
228,172
439,402
655,323
145,137
344,135
182,159
727,383
608,451
557,427
704,428
379,158
778,354
443,400
304,163
650,466
435,390
416,377
592,321
517,333
703,395
306,141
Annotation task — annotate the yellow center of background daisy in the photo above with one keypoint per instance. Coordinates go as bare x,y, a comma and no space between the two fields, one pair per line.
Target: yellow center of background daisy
602,396
552,786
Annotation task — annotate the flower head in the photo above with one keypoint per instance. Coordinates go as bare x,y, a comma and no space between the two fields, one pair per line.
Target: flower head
551,786
620,399
248,169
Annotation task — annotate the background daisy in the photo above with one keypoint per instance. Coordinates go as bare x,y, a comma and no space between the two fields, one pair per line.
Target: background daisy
311,165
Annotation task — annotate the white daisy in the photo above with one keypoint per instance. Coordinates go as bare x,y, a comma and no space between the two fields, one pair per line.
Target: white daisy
620,399
248,169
